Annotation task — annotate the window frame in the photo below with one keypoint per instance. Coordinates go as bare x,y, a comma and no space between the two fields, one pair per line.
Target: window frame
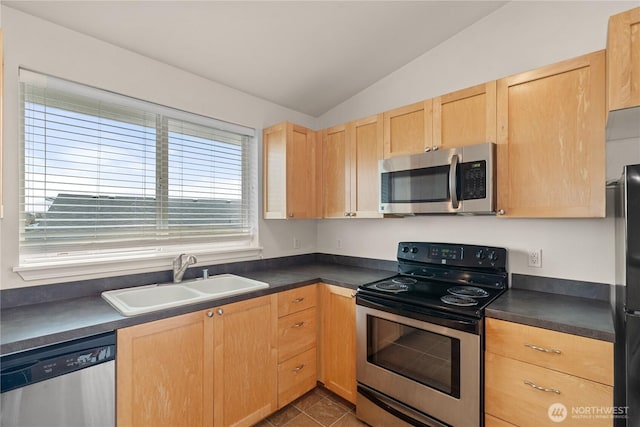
149,257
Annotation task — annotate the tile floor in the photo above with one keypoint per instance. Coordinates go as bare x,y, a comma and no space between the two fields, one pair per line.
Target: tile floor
319,407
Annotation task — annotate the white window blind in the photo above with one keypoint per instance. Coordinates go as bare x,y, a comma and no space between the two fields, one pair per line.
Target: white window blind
105,172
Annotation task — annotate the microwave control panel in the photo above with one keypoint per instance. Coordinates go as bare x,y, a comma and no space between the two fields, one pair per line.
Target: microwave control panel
473,177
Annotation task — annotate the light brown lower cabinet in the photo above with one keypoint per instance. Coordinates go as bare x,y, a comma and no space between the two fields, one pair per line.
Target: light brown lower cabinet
491,421
297,338
165,372
214,367
236,364
537,377
338,340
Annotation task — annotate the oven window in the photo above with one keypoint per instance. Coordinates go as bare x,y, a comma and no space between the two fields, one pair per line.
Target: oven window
416,185
422,356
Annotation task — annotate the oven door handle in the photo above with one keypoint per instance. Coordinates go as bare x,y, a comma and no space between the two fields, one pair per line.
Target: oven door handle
431,316
453,185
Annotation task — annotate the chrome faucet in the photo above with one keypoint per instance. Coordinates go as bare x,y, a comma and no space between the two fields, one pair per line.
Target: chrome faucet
180,265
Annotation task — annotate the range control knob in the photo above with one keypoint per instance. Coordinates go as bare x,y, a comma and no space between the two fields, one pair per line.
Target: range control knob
480,255
414,250
493,256
405,249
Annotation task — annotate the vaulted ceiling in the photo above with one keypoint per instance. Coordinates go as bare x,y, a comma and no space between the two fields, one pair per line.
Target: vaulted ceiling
305,55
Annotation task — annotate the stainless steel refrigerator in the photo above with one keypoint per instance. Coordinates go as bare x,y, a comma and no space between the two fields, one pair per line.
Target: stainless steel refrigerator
628,306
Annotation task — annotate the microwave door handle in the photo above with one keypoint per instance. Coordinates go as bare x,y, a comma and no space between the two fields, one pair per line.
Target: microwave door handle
453,189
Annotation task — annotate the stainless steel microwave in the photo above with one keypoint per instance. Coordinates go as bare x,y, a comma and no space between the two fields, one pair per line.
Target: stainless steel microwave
457,180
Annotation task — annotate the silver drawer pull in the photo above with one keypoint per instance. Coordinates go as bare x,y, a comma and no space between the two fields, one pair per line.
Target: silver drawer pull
297,368
297,300
297,325
537,387
542,349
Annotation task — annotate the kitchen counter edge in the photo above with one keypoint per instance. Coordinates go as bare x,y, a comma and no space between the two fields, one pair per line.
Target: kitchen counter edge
584,317
38,325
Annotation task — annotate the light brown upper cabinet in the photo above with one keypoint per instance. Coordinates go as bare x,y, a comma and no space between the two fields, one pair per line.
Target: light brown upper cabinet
350,168
623,60
408,129
465,117
551,140
290,172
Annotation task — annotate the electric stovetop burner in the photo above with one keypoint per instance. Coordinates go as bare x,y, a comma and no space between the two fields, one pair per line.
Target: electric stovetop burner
460,301
468,291
403,280
451,278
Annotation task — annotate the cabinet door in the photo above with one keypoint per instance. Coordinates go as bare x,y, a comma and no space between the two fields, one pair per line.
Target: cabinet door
623,60
465,117
165,372
335,168
408,129
301,172
274,185
290,172
365,146
551,136
338,341
245,361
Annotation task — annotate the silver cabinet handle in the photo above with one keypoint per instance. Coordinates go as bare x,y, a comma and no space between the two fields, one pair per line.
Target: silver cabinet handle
209,313
542,349
453,172
353,294
347,214
435,148
291,215
501,212
352,214
297,300
297,368
220,311
297,325
537,387
427,149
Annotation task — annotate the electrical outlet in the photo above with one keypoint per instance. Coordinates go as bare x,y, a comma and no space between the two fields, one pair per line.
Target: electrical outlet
535,258
296,243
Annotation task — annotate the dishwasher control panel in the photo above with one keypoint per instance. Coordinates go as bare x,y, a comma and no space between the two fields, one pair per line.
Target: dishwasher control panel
21,369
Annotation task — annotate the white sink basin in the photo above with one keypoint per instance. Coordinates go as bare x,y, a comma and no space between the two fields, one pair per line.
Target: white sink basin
225,285
146,299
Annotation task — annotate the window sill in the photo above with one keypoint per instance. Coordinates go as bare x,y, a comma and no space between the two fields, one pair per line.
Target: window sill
80,268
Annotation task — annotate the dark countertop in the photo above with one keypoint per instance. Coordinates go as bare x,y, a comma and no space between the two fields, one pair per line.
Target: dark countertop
585,317
38,325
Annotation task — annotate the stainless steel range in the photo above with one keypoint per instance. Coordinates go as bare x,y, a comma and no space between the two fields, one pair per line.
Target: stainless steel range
420,335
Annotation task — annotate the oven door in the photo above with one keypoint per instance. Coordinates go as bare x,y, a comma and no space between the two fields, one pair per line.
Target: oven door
429,367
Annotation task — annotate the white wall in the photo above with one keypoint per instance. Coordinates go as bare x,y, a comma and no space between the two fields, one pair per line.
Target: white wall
42,46
515,38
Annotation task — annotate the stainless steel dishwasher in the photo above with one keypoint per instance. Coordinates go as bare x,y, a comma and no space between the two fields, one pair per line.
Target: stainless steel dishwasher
68,384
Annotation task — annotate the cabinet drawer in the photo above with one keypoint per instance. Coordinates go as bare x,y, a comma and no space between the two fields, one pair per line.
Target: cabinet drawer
491,421
296,300
510,395
296,376
296,333
584,357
